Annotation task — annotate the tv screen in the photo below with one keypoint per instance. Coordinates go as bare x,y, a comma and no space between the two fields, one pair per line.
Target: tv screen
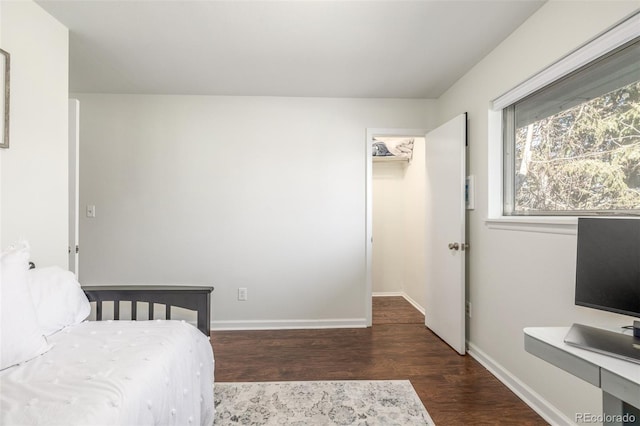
608,265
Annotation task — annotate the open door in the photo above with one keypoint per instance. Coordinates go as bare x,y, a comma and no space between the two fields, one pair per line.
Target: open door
445,170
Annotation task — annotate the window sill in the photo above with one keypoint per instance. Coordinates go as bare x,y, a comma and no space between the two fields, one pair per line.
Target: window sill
549,225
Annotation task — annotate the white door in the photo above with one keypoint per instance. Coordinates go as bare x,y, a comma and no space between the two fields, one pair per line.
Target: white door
445,170
74,191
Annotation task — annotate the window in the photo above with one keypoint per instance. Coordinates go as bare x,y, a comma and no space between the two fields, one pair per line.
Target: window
573,146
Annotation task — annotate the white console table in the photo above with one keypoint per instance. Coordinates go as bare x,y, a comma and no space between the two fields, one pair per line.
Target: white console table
618,379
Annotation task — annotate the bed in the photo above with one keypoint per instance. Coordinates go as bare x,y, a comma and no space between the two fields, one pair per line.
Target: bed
59,369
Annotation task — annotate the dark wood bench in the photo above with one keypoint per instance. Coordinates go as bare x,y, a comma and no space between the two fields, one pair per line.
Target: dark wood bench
194,298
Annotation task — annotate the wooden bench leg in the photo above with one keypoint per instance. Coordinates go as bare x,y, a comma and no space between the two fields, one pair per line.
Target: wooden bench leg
204,313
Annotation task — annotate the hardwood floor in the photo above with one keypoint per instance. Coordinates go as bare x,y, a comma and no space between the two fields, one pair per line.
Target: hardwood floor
456,390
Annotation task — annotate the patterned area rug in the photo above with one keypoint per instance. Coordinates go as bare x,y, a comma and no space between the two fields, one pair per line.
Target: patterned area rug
357,402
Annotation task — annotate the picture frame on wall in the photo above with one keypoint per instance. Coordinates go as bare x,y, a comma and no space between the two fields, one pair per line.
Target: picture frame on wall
4,102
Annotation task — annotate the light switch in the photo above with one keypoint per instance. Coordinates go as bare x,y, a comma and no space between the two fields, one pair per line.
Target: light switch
91,211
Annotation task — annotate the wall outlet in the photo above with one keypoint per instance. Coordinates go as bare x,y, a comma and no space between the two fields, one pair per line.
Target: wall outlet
242,294
467,309
91,210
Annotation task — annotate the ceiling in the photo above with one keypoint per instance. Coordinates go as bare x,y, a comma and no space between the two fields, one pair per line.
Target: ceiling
359,49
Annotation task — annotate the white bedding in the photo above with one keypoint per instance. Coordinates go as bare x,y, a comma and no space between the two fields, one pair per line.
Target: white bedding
114,373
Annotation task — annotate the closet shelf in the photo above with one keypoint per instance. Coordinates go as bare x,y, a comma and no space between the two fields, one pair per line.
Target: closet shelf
390,159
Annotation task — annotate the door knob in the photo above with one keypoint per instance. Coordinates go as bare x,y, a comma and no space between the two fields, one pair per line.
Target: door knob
454,246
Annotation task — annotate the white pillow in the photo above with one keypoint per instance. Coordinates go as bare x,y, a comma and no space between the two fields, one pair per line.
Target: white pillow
58,299
20,336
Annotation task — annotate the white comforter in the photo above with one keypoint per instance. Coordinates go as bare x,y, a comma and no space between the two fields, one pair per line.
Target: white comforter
114,373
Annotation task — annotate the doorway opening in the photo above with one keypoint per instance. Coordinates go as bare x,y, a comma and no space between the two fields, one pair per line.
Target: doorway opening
395,216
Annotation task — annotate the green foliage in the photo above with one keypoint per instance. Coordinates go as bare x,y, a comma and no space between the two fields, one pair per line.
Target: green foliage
584,158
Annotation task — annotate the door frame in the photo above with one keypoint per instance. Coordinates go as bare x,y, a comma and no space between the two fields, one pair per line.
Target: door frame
74,184
370,134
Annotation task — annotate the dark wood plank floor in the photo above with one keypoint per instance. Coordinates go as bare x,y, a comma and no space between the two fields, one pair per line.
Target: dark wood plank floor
395,310
456,390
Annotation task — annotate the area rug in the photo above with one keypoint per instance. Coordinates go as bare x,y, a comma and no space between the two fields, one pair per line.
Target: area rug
357,402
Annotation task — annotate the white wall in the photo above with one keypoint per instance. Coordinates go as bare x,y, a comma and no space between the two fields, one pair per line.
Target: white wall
519,279
399,197
388,249
415,211
263,193
33,172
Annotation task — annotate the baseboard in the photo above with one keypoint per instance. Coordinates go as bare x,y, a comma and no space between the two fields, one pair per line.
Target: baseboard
534,400
387,293
288,324
413,302
401,294
307,324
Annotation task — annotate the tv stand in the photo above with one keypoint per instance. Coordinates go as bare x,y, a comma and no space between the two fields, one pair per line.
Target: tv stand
618,379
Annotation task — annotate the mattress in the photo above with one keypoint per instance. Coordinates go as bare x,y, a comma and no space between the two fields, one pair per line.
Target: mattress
114,373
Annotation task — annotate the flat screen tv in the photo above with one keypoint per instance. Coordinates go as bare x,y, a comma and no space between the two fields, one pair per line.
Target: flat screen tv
608,265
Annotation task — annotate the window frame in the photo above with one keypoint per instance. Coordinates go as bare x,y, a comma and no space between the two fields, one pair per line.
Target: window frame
554,222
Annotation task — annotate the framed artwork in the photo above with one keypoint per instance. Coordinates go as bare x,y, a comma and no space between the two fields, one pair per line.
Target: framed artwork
4,102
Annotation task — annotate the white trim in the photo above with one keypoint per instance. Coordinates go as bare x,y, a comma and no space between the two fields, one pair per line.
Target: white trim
307,324
368,223
602,44
368,247
388,294
544,408
567,225
414,303
495,164
288,324
74,185
400,294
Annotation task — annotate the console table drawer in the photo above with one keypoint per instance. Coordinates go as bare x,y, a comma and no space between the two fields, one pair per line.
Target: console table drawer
564,360
621,388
